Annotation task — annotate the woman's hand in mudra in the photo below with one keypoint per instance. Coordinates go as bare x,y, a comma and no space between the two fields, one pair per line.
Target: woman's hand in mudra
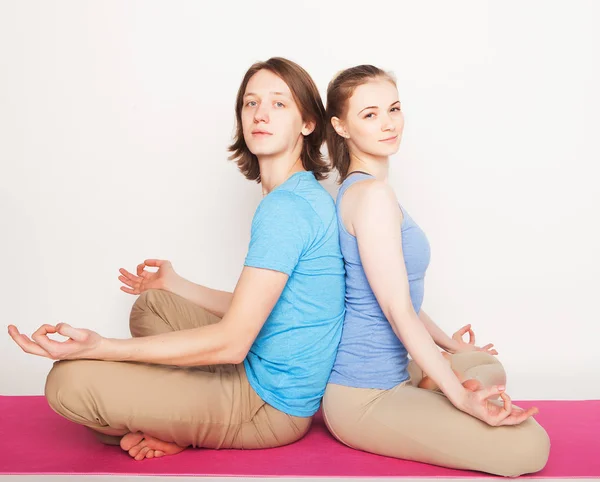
477,403
463,346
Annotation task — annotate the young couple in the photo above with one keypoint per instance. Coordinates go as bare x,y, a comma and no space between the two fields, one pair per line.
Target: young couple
328,306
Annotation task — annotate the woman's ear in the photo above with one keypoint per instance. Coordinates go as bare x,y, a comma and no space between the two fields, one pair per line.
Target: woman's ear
339,127
308,128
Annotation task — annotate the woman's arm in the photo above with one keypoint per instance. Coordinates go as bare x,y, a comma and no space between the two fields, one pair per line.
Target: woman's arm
376,222
227,341
439,337
456,344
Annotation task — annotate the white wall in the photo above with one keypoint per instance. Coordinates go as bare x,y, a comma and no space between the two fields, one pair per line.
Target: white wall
114,123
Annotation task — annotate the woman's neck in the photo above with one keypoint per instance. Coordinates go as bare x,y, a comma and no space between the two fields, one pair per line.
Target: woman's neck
275,171
377,167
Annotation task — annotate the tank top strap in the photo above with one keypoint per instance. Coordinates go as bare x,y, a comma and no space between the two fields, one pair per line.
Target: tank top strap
353,178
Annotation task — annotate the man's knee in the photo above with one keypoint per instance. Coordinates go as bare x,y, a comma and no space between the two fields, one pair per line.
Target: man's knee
147,300
66,386
145,304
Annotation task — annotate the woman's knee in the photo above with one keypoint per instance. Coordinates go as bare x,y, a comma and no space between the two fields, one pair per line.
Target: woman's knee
480,365
537,446
530,451
470,359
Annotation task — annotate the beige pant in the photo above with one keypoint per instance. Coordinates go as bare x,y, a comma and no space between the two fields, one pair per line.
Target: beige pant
415,424
211,406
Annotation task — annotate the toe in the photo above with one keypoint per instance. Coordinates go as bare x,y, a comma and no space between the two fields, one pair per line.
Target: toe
165,447
130,440
142,454
136,449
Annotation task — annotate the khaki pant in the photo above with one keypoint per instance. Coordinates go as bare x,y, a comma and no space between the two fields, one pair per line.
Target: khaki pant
415,424
209,406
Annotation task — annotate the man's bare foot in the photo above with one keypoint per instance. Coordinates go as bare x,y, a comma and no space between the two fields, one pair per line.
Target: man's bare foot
141,446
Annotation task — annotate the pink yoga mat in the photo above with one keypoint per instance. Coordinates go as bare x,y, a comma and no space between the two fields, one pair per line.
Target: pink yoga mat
34,440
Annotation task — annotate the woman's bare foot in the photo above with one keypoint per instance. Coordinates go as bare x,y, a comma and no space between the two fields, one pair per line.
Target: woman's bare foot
141,446
472,385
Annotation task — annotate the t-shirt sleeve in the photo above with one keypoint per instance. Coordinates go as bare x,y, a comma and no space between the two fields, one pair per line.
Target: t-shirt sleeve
283,228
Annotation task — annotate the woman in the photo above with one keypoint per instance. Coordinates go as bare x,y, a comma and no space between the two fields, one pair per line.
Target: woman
207,368
372,401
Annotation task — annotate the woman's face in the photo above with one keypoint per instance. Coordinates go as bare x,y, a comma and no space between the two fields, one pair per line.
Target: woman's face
271,120
374,121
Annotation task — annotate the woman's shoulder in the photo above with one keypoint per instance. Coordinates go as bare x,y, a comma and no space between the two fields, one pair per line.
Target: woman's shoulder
371,192
366,201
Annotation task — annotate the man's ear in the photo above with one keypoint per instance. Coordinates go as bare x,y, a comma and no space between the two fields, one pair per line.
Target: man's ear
308,128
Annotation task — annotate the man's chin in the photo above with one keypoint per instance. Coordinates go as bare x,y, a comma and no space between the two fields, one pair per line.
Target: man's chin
263,152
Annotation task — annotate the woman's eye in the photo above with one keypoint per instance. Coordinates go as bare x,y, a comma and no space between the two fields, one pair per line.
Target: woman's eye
279,104
251,103
395,109
370,115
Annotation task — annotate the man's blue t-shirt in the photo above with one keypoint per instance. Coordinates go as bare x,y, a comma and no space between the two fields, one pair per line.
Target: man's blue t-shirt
295,231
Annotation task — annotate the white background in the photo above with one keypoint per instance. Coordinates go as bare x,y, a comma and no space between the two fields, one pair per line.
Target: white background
115,118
